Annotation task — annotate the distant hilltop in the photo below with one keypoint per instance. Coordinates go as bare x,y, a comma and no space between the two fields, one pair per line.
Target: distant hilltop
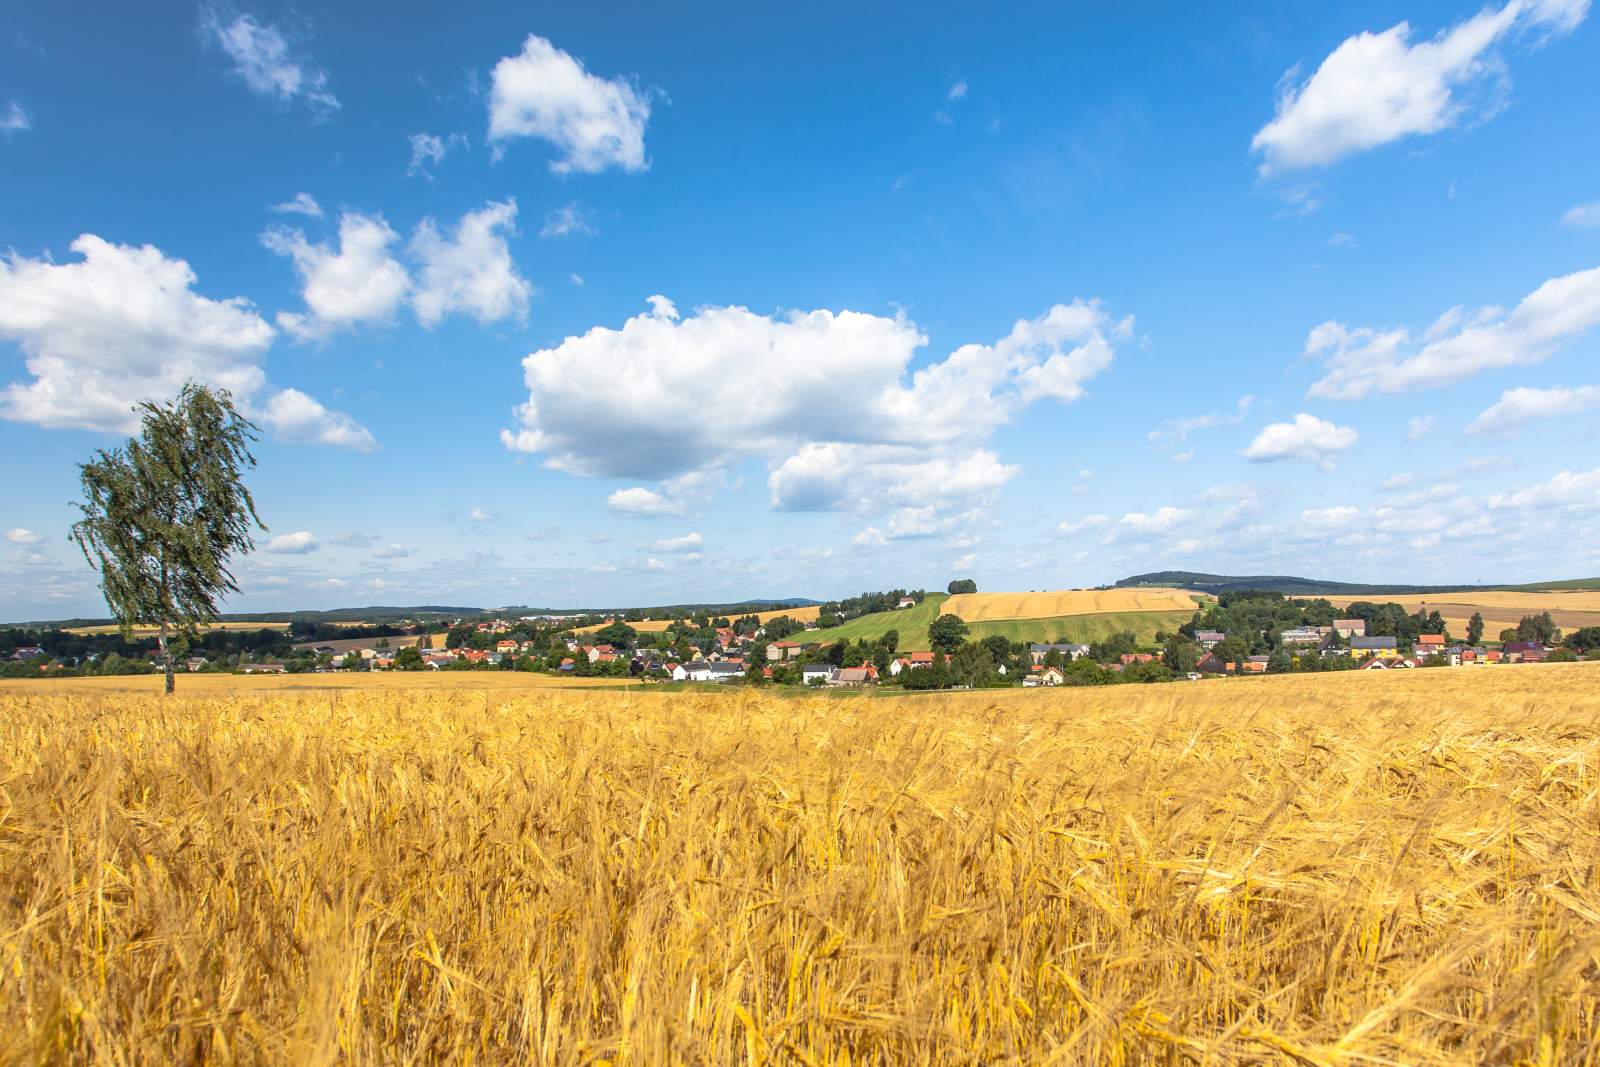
1292,586
383,614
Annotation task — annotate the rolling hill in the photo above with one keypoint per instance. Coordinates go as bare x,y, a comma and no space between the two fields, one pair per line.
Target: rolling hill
1077,615
1314,587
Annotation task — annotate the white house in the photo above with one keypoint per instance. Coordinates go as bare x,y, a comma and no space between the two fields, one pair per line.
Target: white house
815,672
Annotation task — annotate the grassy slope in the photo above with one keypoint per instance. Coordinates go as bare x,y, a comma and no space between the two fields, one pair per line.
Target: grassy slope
1081,628
1540,587
912,624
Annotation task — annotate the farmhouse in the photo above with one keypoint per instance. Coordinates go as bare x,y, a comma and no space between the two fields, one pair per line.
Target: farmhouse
1348,628
712,671
853,676
1383,647
1044,676
1038,652
1210,639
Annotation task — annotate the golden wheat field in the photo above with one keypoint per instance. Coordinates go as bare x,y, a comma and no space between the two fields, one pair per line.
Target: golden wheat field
985,607
1369,869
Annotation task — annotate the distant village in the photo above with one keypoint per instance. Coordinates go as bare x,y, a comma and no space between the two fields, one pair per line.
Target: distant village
1238,634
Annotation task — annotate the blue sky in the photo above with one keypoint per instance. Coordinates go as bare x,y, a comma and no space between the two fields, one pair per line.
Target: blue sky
559,305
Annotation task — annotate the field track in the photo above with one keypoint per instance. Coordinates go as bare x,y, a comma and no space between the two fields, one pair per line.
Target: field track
1337,869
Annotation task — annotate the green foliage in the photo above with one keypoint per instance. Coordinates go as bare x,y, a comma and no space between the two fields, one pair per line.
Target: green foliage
1113,647
1584,640
163,515
1475,628
947,633
782,627
618,634
963,585
1541,628
409,659
972,664
1180,654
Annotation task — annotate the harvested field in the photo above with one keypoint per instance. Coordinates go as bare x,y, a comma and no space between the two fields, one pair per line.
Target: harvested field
987,607
1379,868
1571,609
805,614
151,631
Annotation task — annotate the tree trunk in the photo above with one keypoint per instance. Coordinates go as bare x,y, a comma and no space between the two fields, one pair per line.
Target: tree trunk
166,655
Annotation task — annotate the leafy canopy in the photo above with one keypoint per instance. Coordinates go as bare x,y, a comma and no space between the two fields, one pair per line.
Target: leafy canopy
163,514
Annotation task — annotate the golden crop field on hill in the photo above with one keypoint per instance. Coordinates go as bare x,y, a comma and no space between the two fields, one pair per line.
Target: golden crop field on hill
985,607
804,614
151,631
1572,609
1336,869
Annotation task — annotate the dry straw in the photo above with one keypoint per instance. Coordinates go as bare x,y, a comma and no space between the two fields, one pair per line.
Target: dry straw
1333,870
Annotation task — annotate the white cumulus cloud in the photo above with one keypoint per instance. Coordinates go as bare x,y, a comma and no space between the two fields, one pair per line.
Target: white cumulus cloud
20,536
470,272
1088,522
360,281
1576,490
1360,361
293,544
466,270
680,495
1160,521
543,92
1376,88
1517,406
1586,216
300,419
16,118
124,324
120,324
689,542
302,204
263,56
827,399
428,151
1307,437
567,220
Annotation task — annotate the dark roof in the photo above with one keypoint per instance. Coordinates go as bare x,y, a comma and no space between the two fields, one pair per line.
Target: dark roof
1373,642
